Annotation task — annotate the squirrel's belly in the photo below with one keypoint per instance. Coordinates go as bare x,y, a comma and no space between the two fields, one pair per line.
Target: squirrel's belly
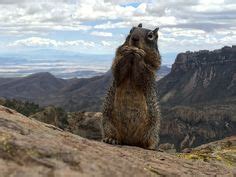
130,111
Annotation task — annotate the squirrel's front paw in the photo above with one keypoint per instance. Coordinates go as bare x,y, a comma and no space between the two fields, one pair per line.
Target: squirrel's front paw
126,50
110,141
140,52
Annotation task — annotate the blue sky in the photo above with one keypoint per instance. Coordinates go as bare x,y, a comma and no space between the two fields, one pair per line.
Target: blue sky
100,26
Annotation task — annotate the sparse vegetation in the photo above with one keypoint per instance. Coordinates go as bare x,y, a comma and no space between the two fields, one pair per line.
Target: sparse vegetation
51,114
26,108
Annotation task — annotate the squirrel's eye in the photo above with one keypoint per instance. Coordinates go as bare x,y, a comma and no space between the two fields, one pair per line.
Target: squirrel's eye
150,36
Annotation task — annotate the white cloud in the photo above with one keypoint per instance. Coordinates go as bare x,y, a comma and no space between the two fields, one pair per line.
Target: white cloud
125,2
102,10
100,33
34,42
184,25
105,43
44,42
110,25
39,16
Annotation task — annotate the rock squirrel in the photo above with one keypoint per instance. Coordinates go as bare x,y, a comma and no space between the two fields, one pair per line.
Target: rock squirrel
131,114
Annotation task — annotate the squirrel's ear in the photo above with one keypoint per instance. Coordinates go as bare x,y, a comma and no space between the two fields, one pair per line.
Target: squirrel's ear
140,25
155,30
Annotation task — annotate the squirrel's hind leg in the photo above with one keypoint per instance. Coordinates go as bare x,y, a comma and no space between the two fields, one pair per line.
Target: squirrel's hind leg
153,141
109,133
110,141
150,138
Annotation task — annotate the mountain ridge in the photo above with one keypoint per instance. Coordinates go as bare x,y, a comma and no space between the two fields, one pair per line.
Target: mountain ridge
202,76
45,89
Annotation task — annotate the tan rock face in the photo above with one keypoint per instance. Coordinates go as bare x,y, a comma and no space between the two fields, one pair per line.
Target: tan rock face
30,148
85,124
52,115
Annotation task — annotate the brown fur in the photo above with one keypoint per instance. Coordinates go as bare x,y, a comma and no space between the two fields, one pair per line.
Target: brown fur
131,115
136,64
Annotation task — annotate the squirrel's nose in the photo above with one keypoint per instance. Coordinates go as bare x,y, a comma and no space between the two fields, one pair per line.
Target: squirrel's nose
135,38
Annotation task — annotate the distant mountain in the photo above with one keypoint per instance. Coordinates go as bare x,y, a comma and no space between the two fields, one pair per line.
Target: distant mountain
45,89
51,54
163,71
63,64
72,94
32,87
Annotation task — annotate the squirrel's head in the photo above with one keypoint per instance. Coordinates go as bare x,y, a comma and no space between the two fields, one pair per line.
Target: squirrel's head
143,38
138,57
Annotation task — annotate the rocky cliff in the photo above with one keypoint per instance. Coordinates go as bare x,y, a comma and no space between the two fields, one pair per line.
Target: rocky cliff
198,97
188,127
34,149
200,77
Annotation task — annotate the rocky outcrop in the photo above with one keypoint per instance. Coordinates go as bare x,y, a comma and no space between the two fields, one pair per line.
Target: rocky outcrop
85,124
188,127
52,115
191,60
32,148
200,77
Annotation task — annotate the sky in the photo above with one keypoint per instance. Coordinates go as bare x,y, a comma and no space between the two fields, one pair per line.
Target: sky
100,26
